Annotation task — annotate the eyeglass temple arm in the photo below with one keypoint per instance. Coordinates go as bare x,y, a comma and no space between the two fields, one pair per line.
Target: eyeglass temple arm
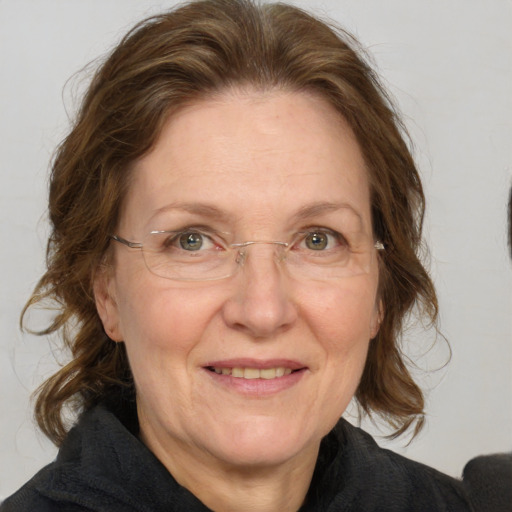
121,240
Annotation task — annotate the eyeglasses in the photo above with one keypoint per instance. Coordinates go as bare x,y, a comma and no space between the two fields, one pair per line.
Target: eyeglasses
195,255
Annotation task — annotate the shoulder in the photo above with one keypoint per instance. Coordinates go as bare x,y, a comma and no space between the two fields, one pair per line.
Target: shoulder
102,466
30,498
61,486
70,482
372,478
488,481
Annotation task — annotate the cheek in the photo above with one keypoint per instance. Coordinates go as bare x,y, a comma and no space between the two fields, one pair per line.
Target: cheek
340,319
156,317
342,316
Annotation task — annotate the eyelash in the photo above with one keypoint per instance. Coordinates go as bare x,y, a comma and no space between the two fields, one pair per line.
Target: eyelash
339,237
210,235
200,230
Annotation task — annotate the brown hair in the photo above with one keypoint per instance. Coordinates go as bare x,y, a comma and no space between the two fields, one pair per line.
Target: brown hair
168,60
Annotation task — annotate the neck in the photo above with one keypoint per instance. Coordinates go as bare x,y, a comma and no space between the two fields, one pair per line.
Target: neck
260,490
226,487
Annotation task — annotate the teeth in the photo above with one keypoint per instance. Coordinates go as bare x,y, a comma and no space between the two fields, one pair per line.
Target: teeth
237,372
254,373
268,373
251,373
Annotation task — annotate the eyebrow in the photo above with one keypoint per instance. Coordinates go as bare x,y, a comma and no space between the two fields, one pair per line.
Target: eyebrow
305,212
200,209
321,208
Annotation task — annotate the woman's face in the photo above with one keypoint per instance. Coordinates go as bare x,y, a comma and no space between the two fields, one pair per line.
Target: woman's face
246,166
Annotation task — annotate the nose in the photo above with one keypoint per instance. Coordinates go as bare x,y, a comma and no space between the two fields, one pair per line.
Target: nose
260,304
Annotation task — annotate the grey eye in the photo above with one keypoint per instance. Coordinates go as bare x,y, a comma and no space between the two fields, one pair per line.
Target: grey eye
191,241
317,241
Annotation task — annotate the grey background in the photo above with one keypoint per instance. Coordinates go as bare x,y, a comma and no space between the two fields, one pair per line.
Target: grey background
448,63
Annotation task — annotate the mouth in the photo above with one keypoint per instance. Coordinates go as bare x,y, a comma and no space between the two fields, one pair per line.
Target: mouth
256,378
251,373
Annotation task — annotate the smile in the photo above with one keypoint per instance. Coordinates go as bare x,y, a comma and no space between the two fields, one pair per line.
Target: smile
253,373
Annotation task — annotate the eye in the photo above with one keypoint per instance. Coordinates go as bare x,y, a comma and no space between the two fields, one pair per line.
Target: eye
190,241
321,240
316,241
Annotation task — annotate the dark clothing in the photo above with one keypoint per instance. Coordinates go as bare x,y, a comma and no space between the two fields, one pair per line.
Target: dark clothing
102,466
488,479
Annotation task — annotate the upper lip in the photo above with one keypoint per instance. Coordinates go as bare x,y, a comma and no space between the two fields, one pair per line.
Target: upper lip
261,364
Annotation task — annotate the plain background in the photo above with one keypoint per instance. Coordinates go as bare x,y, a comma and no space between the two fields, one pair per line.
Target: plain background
448,63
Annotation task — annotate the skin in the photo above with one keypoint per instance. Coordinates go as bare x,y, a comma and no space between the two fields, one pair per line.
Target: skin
258,158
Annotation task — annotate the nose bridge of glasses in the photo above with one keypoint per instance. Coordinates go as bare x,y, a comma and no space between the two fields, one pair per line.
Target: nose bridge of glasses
241,248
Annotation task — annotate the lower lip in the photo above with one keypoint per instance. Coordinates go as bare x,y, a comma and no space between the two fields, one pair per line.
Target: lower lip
257,387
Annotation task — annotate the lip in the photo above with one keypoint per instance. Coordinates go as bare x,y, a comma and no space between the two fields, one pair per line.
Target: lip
260,364
256,387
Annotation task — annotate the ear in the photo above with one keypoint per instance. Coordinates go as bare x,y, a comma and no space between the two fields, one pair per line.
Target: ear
376,320
106,303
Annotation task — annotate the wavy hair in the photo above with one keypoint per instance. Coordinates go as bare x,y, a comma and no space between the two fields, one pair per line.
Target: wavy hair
171,59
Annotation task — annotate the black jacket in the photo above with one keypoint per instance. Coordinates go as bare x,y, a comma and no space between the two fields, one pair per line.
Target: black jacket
102,466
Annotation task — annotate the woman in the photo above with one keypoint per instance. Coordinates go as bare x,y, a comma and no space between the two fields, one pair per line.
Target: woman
236,220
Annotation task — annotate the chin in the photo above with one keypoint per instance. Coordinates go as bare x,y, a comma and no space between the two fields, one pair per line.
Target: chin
263,442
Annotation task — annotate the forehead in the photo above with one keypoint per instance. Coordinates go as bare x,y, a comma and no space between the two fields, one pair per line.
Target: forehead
256,157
